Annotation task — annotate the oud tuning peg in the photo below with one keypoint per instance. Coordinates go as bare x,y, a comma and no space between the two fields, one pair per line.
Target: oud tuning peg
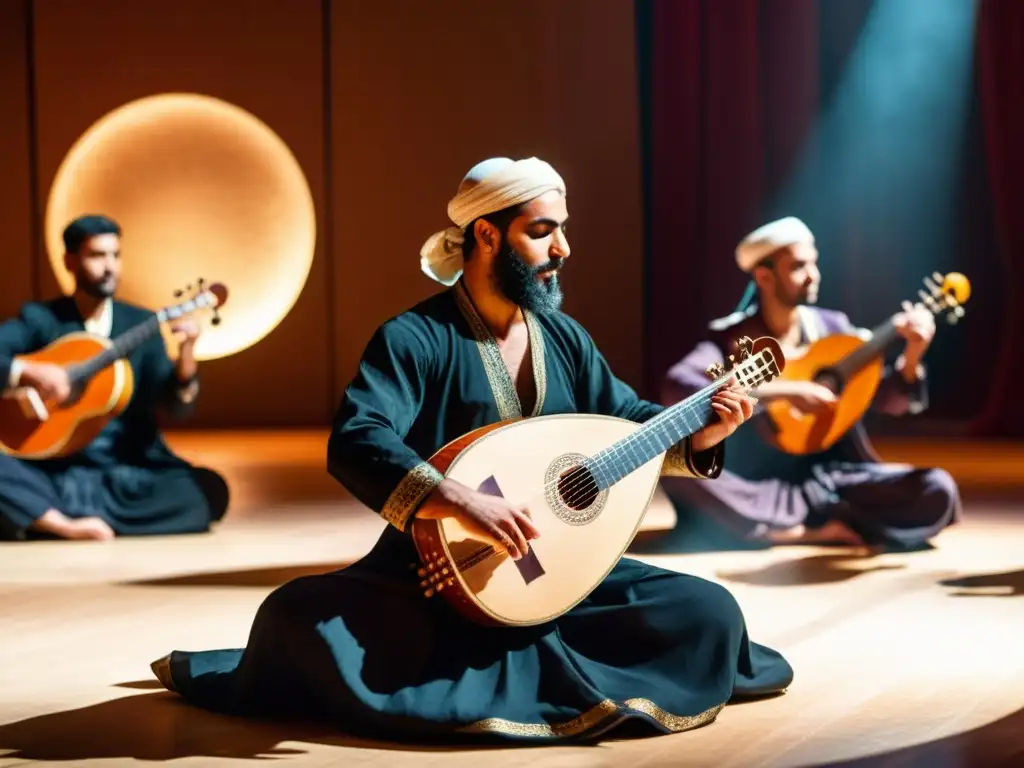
714,371
178,293
216,317
744,347
957,286
928,301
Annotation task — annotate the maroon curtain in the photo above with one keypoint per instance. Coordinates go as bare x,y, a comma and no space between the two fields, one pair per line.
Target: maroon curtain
1001,84
732,96
733,90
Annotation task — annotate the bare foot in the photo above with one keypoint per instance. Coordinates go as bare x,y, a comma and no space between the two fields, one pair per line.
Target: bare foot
55,522
89,529
833,532
787,535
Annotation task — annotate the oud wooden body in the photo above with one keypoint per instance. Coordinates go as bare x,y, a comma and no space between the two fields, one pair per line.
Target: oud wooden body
798,433
31,428
516,459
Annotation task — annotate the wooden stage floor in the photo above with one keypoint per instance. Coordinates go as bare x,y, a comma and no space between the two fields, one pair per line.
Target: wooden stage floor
900,659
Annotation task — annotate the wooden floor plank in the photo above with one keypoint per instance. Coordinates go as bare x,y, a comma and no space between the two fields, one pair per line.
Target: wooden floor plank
900,659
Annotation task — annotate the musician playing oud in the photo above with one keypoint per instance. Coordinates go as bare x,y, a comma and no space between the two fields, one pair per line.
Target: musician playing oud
363,646
846,494
126,481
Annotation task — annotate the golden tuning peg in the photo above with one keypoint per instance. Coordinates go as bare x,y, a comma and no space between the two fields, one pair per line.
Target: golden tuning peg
957,286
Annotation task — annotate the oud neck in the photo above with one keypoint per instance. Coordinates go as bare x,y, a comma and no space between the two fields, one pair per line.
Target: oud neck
881,337
120,347
653,438
759,362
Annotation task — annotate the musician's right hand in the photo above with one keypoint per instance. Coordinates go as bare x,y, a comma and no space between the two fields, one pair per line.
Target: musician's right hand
810,397
492,516
49,380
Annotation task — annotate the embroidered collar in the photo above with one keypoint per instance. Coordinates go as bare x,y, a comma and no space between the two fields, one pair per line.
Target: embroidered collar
502,386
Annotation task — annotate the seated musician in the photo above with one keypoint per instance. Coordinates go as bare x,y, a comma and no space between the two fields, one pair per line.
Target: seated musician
845,494
127,481
363,647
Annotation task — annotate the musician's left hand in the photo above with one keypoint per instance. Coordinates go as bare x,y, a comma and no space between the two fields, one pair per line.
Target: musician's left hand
185,332
733,407
917,325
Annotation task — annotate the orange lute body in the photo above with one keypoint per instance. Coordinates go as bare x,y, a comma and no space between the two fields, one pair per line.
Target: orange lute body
31,428
795,432
852,368
102,385
586,479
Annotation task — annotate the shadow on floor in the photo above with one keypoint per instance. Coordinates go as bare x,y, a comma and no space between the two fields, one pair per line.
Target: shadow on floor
692,534
251,577
1009,584
828,568
159,726
996,745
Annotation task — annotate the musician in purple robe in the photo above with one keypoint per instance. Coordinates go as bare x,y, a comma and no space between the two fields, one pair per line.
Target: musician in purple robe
845,494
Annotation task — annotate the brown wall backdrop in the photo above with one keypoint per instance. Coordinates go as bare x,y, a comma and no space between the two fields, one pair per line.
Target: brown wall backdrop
16,206
266,57
385,104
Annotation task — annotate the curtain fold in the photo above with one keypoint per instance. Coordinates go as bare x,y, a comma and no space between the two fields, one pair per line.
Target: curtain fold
736,99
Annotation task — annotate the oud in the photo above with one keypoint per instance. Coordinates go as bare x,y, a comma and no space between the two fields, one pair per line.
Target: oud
852,369
587,481
102,385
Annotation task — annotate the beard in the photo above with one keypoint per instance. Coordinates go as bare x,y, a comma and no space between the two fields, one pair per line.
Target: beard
805,294
517,281
101,289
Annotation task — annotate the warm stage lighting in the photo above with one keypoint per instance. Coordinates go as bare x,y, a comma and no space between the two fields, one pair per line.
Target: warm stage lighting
201,188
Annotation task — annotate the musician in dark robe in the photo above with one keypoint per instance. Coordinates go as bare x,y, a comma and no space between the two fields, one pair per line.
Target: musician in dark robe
846,494
363,647
126,482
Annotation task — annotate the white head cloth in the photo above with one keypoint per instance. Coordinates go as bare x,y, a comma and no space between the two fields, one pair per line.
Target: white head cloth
769,238
490,186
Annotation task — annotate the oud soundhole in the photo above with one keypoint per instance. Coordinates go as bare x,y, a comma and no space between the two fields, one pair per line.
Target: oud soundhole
75,395
577,488
829,379
571,490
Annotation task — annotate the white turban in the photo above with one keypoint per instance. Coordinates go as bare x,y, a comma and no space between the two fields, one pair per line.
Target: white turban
769,238
490,186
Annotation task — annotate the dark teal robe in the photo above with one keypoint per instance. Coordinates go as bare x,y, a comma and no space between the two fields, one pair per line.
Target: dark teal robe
365,649
127,475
